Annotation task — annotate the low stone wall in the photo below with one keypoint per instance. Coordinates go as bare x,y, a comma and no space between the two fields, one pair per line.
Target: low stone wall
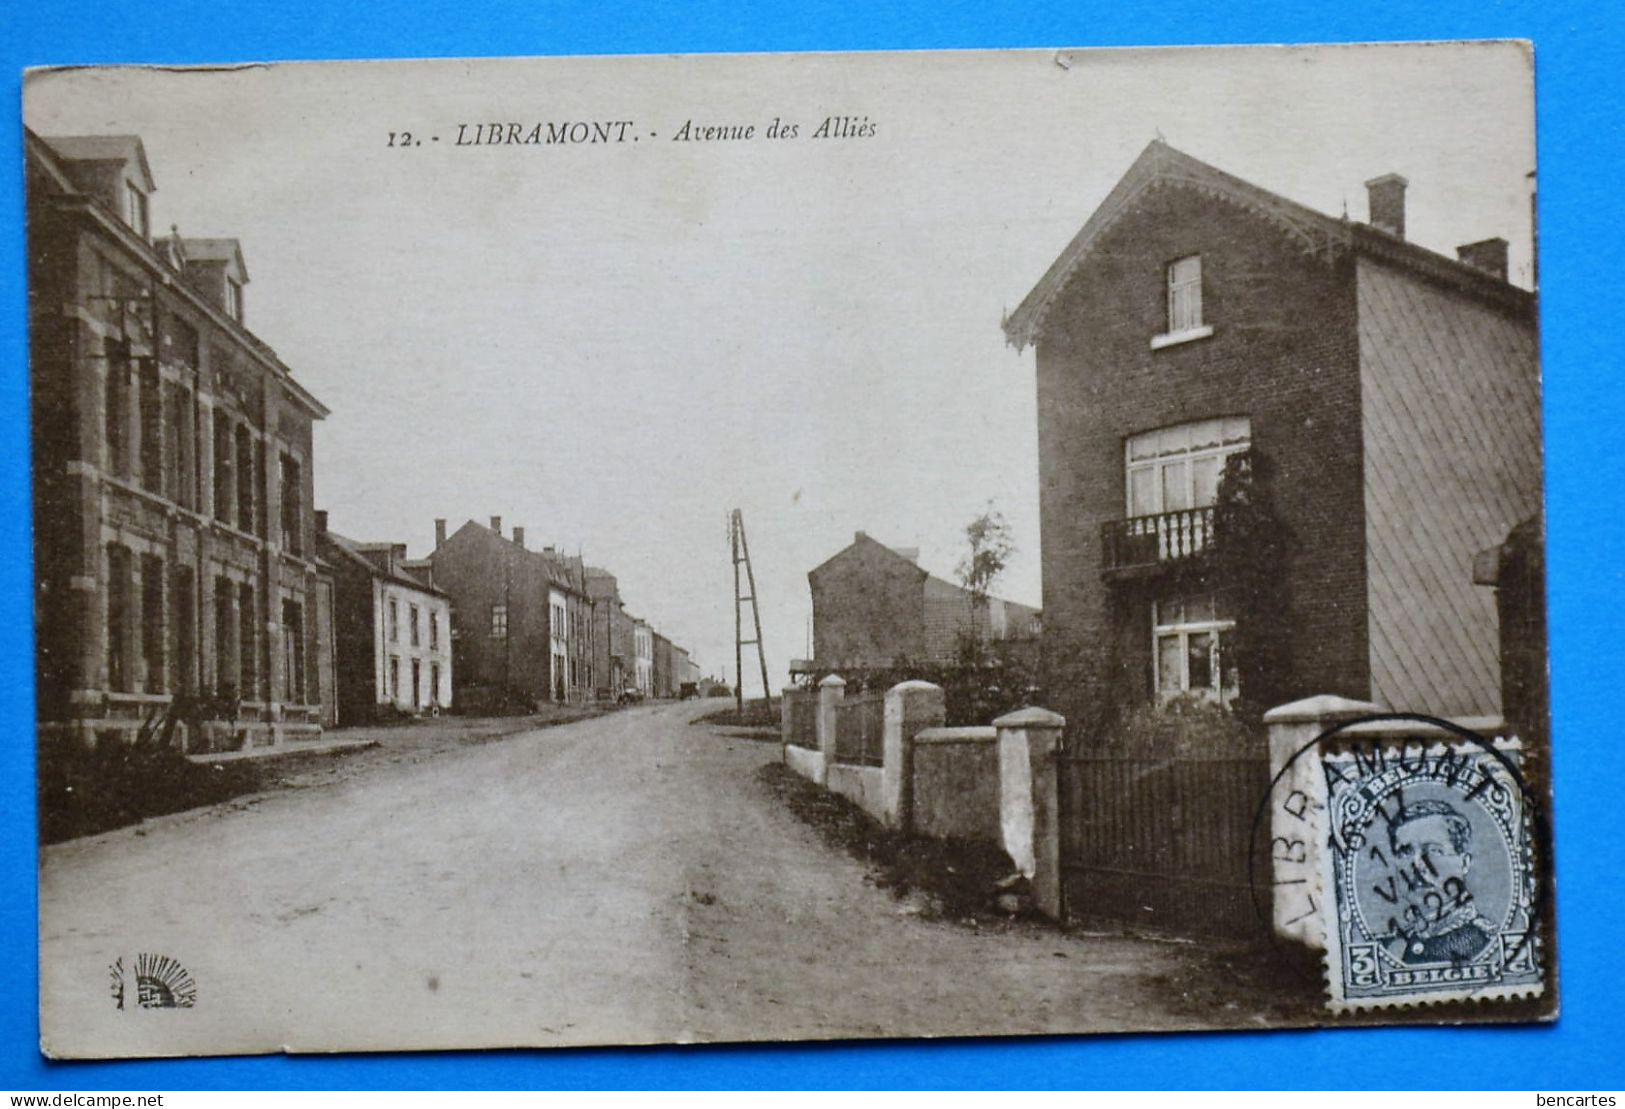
956,783
809,764
995,784
861,785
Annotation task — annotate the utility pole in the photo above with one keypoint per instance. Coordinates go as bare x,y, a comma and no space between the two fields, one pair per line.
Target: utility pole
740,551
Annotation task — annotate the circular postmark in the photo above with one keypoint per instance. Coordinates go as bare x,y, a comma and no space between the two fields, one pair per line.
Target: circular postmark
1403,847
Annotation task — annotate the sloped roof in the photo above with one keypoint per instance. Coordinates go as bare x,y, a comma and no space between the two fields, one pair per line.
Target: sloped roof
216,250
564,571
863,538
1160,165
352,551
103,148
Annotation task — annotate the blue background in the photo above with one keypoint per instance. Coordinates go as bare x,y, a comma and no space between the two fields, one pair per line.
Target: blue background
1579,64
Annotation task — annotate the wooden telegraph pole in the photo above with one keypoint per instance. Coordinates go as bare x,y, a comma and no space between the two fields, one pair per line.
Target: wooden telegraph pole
740,550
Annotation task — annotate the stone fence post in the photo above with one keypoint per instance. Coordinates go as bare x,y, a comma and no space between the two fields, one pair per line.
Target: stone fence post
1029,800
831,692
911,707
786,718
1297,803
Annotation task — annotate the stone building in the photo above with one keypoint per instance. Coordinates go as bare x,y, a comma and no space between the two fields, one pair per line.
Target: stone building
614,652
1374,404
521,618
392,630
174,538
875,608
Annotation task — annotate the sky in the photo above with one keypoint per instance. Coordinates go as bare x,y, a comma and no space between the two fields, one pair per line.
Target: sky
614,344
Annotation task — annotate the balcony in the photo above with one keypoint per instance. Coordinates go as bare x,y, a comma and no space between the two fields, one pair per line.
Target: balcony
1142,544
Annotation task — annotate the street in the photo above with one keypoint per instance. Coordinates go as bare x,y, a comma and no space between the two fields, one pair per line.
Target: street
623,879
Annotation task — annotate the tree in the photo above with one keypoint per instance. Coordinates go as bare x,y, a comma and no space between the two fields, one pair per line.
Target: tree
990,548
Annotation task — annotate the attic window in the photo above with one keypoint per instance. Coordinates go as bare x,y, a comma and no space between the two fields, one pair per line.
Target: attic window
234,298
136,208
1184,303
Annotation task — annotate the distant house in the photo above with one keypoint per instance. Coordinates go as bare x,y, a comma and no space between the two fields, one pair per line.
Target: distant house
393,630
643,658
1381,399
875,607
520,618
613,650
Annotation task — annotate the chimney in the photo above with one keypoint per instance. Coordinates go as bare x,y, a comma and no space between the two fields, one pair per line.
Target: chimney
857,535
439,533
496,524
321,519
1489,255
1386,196
519,536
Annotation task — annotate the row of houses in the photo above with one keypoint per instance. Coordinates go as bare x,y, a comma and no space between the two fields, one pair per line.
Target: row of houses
180,565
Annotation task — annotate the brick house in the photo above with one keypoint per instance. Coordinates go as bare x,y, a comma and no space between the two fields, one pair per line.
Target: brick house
643,658
392,630
875,607
174,543
520,618
614,669
1381,399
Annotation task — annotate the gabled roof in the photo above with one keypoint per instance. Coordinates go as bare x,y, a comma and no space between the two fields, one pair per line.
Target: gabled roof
566,572
104,148
1160,165
229,251
353,553
863,539
908,555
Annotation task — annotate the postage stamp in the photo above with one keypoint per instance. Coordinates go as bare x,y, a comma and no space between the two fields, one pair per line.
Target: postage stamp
1433,878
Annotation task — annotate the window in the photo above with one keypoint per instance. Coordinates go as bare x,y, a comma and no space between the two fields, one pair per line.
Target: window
181,600
245,479
293,652
1185,295
434,684
115,405
394,679
152,622
225,654
248,644
394,620
434,632
1177,468
234,299
499,621
1190,636
560,627
223,450
119,588
292,498
417,678
412,626
135,211
151,409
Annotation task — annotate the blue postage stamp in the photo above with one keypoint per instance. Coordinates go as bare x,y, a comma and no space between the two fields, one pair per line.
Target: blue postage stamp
1433,878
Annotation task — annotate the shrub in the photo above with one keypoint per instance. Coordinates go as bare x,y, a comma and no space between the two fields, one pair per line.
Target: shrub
1187,724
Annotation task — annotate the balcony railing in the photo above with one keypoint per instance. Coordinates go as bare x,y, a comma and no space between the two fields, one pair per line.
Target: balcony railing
1142,541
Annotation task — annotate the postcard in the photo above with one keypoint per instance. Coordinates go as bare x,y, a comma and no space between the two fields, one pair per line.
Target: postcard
628,550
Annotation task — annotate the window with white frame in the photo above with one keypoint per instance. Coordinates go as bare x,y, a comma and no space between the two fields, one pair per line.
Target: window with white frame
136,208
1190,643
1175,468
1185,294
499,621
234,298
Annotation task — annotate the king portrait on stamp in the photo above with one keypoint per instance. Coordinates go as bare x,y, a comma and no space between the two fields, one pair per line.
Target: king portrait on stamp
1433,876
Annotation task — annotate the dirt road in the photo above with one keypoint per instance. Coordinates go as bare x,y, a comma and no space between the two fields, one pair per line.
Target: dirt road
625,879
